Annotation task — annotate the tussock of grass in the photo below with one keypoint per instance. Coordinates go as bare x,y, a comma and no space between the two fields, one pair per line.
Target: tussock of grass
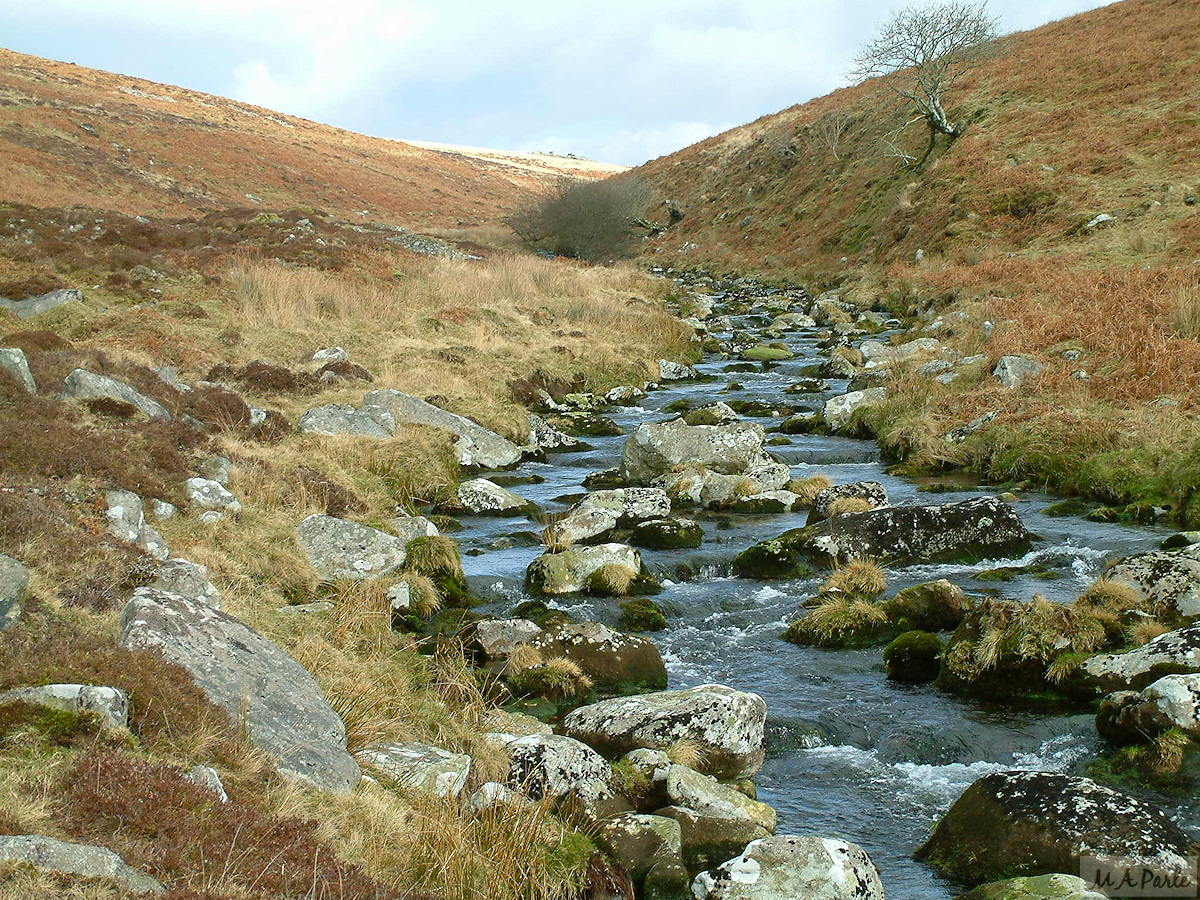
1144,632
689,753
434,555
612,580
845,506
859,577
1116,596
522,657
808,488
838,620
424,597
557,678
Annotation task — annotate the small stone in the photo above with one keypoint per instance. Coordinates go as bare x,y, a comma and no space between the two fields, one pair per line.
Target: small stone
14,580
162,510
331,354
204,493
207,778
12,361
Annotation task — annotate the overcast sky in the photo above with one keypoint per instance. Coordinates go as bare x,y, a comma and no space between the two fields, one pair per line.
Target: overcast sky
619,81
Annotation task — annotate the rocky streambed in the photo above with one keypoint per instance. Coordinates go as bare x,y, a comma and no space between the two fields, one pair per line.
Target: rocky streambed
850,754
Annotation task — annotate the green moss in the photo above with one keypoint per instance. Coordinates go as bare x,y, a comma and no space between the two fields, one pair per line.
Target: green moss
631,782
642,614
913,657
568,859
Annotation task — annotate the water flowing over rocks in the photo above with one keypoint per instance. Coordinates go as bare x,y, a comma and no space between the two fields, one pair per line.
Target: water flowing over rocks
54,855
1042,823
726,723
793,867
337,548
252,679
84,385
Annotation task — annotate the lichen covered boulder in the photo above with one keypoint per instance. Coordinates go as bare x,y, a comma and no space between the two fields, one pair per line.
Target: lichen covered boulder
793,867
872,492
612,660
667,534
256,682
727,724
1043,823
339,548
1174,653
567,571
1169,579
420,767
655,449
1038,887
1134,717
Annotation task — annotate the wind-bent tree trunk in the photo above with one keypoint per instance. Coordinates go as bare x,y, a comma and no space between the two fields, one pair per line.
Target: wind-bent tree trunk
929,47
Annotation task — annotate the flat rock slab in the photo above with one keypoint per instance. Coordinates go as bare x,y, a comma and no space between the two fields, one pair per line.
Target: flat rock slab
793,867
727,723
252,679
338,548
342,418
75,859
84,385
32,306
476,447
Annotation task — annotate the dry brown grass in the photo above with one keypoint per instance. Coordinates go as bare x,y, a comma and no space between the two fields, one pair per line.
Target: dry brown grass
860,577
612,580
808,488
845,506
689,753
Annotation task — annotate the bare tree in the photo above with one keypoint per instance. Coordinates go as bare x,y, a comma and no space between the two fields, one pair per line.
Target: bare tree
828,130
930,47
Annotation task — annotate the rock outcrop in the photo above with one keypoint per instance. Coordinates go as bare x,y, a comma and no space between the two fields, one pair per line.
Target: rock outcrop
84,385
256,682
1176,652
53,855
338,548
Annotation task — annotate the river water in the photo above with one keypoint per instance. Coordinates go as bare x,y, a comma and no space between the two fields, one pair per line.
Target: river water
849,754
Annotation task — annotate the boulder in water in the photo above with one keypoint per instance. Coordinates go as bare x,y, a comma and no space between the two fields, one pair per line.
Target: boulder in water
1169,579
1039,887
793,867
1176,652
1044,823
655,449
612,660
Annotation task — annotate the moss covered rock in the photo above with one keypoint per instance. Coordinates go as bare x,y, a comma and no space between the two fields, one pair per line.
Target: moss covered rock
1039,887
667,534
914,657
642,614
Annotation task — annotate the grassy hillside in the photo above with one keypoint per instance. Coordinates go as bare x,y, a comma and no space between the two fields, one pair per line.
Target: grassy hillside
1093,115
76,136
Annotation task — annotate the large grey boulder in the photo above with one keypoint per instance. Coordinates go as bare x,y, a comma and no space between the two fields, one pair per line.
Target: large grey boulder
12,361
655,449
563,769
727,724
84,385
53,855
1010,371
709,797
567,571
32,306
14,580
597,514
1170,579
476,446
342,418
187,579
698,486
420,767
673,371
338,548
612,660
110,705
839,410
256,682
480,497
982,528
1176,652
1042,823
793,867
127,522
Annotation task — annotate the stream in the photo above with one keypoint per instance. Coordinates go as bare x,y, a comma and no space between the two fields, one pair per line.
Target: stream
849,754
